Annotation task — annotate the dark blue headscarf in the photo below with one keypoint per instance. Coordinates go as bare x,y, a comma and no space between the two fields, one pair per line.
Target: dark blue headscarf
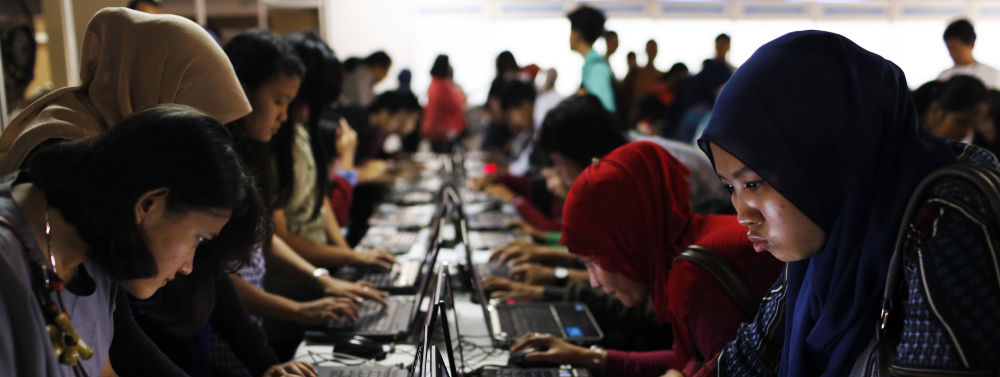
832,127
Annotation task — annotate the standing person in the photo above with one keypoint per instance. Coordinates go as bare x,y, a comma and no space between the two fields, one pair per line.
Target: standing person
648,75
610,44
960,38
586,25
74,232
444,116
360,81
722,42
818,142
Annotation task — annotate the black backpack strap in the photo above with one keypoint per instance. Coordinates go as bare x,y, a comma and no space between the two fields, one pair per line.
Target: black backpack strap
723,271
986,180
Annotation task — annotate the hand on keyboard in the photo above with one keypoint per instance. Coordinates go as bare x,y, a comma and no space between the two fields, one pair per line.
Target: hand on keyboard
292,368
374,258
532,273
357,291
550,349
506,289
318,312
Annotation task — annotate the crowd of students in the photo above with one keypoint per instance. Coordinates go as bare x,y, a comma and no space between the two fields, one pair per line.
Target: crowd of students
178,212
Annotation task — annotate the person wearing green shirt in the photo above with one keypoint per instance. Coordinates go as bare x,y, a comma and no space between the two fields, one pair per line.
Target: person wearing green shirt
586,25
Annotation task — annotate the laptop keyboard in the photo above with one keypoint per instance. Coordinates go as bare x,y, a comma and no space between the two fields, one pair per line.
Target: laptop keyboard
396,243
509,372
489,240
488,220
492,268
403,274
351,372
373,317
523,319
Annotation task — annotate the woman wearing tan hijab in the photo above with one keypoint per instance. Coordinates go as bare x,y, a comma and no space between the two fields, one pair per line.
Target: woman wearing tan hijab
130,61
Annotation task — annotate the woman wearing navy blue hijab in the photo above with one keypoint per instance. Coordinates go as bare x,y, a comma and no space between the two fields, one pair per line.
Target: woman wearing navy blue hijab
818,142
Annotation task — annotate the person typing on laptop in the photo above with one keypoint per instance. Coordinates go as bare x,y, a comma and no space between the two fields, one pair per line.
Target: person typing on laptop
628,216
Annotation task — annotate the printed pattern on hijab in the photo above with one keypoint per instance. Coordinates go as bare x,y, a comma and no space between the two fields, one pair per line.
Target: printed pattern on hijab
832,127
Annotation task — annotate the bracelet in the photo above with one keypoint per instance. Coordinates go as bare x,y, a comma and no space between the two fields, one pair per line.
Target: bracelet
320,272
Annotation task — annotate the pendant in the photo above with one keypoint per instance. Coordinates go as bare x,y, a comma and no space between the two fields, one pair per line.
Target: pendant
66,343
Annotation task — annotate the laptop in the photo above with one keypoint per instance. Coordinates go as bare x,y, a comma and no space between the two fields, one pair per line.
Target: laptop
440,330
403,276
394,321
444,317
417,368
571,321
397,242
403,217
492,239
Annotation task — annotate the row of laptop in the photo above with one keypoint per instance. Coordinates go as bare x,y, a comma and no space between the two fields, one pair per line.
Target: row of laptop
504,322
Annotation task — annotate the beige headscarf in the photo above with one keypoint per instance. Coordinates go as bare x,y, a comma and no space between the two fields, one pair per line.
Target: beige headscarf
130,61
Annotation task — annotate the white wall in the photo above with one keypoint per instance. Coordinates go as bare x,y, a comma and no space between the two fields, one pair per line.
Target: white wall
472,32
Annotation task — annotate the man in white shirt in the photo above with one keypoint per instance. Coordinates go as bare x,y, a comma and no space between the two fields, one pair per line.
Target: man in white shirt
960,37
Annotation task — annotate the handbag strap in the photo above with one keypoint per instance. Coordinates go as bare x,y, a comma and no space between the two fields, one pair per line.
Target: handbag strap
723,271
986,180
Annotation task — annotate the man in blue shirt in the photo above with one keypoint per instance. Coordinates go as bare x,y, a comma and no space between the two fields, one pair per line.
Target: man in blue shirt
586,25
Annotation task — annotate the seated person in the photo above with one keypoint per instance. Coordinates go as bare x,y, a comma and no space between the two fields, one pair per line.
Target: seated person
958,108
74,224
812,91
628,216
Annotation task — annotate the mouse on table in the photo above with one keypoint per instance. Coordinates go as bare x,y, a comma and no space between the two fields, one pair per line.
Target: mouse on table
517,359
360,346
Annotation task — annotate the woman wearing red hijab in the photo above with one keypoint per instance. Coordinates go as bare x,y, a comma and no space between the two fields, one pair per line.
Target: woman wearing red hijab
628,217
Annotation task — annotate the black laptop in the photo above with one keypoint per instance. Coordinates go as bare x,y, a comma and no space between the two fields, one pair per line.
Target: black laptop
403,276
396,320
571,321
444,319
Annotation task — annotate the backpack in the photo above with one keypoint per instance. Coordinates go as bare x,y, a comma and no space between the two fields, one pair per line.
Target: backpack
938,311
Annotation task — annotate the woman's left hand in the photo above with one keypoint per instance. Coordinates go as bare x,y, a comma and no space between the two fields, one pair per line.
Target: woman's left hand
292,368
673,373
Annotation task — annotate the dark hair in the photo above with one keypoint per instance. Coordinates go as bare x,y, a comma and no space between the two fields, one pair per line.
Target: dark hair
320,86
677,68
588,21
580,129
506,62
722,36
961,93
393,102
515,93
259,56
924,96
378,59
610,33
630,55
134,4
441,68
351,64
962,30
95,183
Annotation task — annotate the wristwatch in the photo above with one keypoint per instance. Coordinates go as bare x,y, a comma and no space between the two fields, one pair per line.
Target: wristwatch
562,274
320,272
